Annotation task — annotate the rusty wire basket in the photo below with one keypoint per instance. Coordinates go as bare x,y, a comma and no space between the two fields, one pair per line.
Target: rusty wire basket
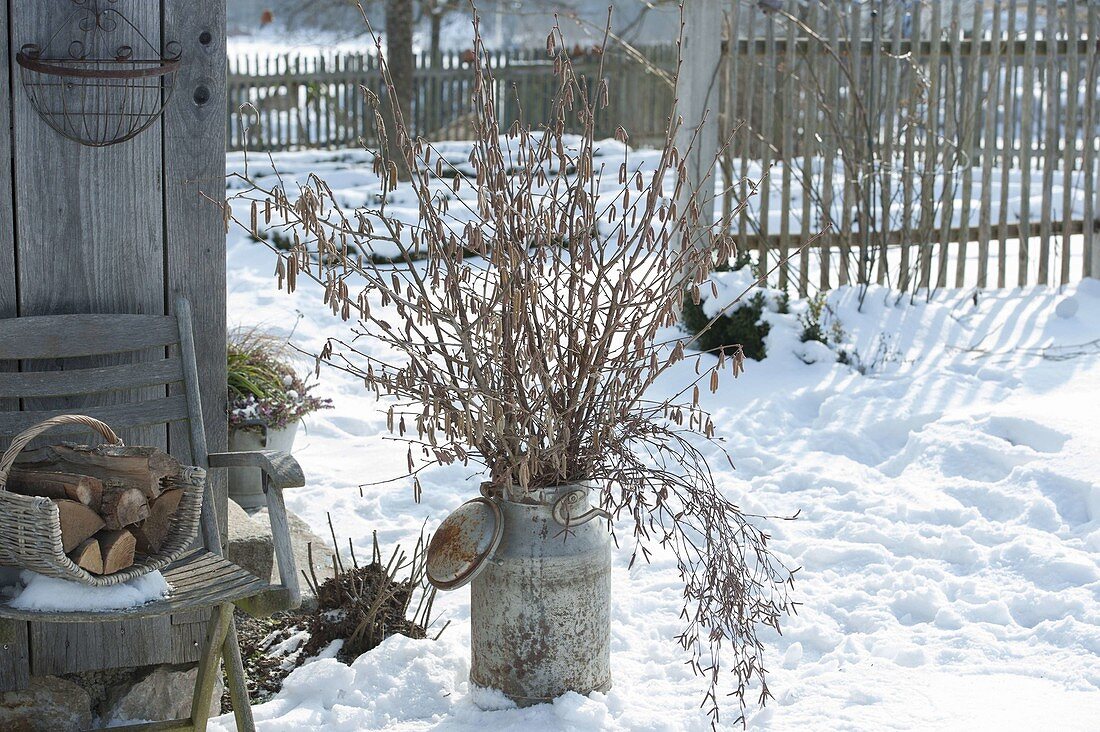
30,526
107,84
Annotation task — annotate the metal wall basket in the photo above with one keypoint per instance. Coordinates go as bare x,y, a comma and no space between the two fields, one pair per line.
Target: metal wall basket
108,84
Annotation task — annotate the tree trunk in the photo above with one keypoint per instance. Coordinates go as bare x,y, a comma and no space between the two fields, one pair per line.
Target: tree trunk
399,59
434,49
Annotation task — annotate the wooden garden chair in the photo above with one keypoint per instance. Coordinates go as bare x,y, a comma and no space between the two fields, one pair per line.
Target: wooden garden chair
202,579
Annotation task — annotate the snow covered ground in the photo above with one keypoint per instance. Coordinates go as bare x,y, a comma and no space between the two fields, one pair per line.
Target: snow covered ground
349,174
949,526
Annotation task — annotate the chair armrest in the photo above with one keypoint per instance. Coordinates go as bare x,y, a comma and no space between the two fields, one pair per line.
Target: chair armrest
280,537
279,467
279,471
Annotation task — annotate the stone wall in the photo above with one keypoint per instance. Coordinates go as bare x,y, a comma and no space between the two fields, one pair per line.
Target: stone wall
80,701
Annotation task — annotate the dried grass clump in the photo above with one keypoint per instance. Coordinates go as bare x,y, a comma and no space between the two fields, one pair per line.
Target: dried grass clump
362,605
359,606
529,327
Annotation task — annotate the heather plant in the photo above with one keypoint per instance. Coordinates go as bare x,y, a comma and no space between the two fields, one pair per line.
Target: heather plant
527,326
264,388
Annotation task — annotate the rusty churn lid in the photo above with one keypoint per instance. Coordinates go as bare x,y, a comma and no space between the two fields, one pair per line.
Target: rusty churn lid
464,542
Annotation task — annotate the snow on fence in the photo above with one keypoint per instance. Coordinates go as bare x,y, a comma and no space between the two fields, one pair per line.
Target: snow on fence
945,146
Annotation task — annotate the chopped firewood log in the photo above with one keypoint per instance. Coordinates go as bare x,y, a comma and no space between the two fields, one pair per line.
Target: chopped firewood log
82,488
118,549
88,556
152,532
145,468
122,505
78,522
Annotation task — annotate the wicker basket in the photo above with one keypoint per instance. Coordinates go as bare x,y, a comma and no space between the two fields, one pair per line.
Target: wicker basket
30,528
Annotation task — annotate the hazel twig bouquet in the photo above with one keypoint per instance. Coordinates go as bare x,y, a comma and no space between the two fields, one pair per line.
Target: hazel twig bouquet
531,312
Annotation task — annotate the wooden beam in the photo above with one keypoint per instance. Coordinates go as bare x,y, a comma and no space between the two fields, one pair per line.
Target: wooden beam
112,644
954,235
194,165
15,666
8,303
697,104
219,626
85,334
1092,169
964,47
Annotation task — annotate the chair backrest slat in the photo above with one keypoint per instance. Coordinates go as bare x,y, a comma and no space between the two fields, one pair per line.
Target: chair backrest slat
71,336
137,373
118,416
29,384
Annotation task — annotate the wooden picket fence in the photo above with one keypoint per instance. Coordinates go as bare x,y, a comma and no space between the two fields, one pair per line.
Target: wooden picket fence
943,150
939,149
309,102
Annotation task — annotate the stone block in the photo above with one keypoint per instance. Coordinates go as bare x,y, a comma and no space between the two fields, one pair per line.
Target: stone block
163,693
49,704
250,544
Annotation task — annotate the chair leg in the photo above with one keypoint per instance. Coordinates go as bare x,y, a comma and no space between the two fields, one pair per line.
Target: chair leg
221,621
238,683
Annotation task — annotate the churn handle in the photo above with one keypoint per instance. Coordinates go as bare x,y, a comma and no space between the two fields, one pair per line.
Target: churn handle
568,500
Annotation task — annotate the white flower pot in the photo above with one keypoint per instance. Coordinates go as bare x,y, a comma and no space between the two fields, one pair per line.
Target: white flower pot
245,485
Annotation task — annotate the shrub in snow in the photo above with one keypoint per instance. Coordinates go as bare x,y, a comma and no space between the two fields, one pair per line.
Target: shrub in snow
528,331
821,325
730,319
741,327
819,322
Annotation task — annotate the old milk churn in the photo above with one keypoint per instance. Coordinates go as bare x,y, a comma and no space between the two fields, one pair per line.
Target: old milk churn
540,569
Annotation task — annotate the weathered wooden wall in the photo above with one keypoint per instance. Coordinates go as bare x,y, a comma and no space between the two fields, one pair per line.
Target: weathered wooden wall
7,211
121,229
194,178
14,647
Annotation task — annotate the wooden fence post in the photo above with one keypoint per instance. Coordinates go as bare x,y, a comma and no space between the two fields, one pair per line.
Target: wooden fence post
697,102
